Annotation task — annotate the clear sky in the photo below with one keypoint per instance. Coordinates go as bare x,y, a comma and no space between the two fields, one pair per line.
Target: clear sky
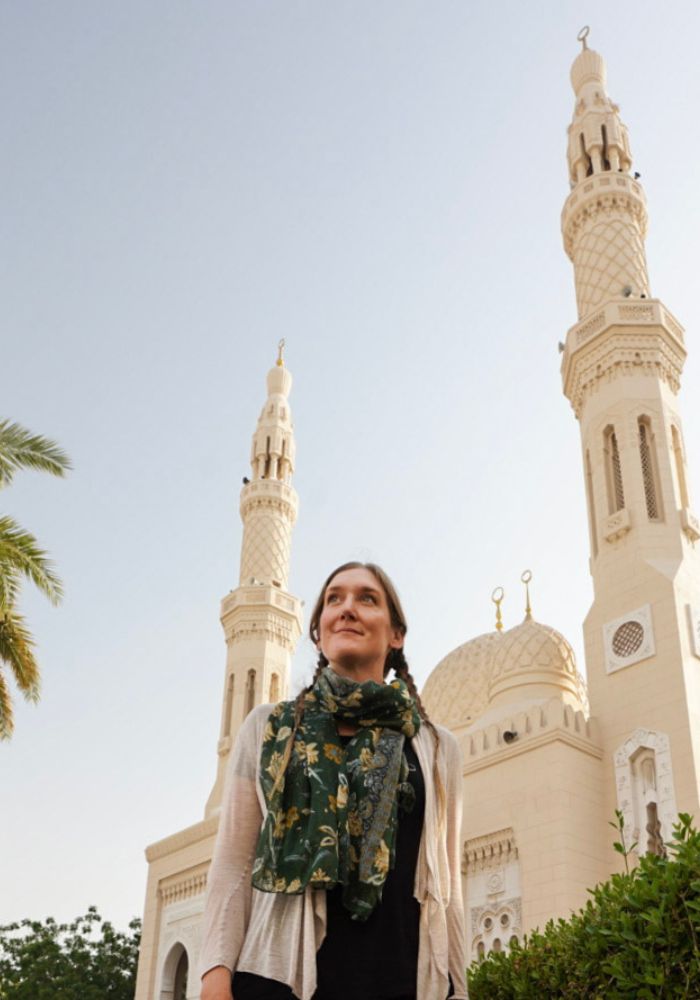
379,183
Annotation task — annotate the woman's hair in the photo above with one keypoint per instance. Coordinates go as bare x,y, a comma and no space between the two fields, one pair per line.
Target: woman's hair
395,661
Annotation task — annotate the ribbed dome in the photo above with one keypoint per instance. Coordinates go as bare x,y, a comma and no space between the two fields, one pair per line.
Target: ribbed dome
456,693
588,67
535,661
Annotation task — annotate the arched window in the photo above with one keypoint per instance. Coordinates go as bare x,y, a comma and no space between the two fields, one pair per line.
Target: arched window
275,688
229,706
650,478
250,692
591,505
604,136
613,471
680,466
588,166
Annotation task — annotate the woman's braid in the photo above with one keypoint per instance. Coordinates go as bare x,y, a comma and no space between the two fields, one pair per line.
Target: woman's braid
397,662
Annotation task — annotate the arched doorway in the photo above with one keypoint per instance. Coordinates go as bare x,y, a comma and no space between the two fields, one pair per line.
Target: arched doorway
173,984
180,985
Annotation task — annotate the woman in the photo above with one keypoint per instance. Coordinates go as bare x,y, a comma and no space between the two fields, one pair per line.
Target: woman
336,871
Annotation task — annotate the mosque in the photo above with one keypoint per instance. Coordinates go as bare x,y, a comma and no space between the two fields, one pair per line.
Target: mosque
547,758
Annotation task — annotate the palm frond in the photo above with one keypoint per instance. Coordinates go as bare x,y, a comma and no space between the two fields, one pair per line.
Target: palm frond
20,449
21,555
17,652
7,724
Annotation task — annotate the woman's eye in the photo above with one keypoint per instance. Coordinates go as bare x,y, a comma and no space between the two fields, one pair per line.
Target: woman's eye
370,598
331,599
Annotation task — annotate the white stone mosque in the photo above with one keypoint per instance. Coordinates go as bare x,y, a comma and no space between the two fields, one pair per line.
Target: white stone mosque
547,757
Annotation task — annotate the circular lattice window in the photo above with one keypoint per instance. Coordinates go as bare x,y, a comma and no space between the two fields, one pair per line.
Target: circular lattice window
627,639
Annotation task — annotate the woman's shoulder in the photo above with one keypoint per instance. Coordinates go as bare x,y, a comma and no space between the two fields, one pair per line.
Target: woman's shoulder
448,744
258,717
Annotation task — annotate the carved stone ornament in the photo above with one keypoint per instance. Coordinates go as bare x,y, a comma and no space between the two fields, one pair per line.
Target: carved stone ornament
616,526
664,796
629,639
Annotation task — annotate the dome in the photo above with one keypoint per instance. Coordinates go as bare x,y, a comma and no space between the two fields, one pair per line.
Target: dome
535,661
587,67
457,691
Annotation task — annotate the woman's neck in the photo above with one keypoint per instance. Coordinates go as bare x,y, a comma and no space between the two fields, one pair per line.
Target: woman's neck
360,673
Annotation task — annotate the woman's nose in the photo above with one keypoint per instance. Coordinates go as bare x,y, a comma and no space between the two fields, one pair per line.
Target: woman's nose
347,610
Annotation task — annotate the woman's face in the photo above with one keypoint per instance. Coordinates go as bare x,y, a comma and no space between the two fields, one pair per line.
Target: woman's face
355,630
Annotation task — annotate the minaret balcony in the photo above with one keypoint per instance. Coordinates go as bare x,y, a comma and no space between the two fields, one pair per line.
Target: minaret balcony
271,493
626,336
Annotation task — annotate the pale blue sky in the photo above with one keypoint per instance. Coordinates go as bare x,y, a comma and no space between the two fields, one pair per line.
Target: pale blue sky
380,183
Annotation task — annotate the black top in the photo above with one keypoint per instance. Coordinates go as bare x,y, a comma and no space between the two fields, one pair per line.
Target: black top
375,959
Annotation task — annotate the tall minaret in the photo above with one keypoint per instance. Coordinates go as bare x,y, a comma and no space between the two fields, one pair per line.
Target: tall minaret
621,370
261,620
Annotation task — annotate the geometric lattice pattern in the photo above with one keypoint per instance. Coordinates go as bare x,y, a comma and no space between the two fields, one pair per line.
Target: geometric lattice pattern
627,639
265,551
457,691
647,473
607,258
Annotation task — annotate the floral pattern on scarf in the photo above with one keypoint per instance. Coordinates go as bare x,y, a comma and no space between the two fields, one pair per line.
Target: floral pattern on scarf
332,819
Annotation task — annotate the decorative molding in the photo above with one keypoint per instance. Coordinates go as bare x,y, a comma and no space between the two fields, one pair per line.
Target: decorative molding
490,852
629,639
690,524
618,352
587,329
552,722
616,526
513,905
585,207
202,830
663,793
183,888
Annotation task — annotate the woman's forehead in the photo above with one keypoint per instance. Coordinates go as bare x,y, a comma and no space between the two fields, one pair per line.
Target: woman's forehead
357,578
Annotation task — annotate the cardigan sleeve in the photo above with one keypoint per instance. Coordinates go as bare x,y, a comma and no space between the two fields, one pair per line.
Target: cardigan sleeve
455,909
229,890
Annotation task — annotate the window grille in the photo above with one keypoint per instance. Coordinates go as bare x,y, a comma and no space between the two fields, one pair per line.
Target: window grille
613,469
646,459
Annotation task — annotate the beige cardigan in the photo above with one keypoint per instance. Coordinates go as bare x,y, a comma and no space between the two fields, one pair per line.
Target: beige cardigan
277,936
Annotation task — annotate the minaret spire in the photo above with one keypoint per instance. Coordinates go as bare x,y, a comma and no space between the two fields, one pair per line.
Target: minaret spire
621,369
604,221
261,620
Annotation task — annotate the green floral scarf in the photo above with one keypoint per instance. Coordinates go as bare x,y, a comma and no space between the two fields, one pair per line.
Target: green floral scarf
332,819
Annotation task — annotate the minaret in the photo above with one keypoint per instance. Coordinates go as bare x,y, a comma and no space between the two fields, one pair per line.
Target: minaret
621,370
261,620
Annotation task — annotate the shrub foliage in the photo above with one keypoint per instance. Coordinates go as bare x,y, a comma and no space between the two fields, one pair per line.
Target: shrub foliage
84,960
637,937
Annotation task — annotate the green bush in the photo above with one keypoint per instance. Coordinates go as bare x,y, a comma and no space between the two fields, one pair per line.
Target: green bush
636,939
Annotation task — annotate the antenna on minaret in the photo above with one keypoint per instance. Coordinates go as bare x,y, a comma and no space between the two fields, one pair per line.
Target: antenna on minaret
280,354
526,576
583,35
497,597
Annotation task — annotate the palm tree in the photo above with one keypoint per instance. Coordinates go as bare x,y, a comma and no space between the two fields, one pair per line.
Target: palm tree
22,557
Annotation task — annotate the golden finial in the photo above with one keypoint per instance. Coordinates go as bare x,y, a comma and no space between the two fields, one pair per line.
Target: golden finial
497,597
583,35
280,354
526,577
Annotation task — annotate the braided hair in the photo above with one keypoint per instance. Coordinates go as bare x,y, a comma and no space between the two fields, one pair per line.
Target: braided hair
395,661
